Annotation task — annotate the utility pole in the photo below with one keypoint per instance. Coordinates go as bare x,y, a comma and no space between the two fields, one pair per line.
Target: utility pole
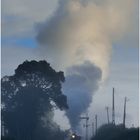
113,108
124,115
86,118
93,129
107,111
2,129
95,124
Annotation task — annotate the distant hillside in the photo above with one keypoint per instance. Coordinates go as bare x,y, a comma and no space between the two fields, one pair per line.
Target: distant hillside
111,132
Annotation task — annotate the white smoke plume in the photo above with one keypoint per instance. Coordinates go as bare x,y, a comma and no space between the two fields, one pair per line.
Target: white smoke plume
79,38
81,82
85,30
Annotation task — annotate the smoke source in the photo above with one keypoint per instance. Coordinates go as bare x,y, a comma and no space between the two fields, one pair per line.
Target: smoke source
81,31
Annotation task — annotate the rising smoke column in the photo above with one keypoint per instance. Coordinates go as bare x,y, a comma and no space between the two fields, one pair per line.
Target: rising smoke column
80,32
81,82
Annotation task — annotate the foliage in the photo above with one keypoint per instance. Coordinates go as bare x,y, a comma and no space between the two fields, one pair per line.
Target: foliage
28,100
116,132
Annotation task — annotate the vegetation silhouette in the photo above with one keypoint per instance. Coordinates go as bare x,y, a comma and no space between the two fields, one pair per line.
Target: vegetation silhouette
29,98
116,132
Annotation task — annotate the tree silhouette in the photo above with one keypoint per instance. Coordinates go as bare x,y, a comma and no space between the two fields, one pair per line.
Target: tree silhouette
28,100
116,132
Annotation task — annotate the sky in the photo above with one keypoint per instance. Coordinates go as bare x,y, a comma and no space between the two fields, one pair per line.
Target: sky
24,21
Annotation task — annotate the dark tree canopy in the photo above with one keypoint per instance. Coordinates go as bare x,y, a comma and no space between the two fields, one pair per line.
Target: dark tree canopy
28,100
116,132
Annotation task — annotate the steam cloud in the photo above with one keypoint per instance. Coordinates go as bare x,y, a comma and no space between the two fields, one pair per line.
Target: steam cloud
82,81
78,39
85,30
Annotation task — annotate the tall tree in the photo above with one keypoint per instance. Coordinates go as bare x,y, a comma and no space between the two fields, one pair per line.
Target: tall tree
28,100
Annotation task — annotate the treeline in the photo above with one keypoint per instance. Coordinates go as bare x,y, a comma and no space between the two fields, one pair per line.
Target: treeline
116,132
